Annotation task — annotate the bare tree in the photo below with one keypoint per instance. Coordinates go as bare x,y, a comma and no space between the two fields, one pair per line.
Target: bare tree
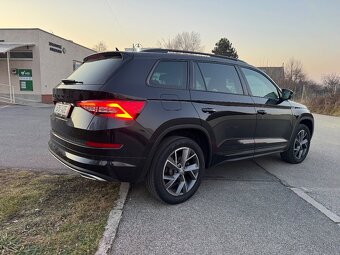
295,78
294,71
332,83
100,47
183,41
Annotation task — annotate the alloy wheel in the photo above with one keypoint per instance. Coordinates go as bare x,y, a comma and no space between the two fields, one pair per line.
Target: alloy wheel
301,144
180,171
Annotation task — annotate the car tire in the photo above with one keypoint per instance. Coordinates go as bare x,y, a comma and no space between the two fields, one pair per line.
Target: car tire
176,170
299,146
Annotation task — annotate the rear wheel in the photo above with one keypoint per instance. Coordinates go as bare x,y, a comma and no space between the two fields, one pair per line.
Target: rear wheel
299,147
176,170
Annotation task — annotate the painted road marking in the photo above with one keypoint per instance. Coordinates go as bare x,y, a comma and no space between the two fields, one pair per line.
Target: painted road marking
332,216
4,106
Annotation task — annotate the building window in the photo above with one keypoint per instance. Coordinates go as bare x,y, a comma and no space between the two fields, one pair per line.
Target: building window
18,55
76,64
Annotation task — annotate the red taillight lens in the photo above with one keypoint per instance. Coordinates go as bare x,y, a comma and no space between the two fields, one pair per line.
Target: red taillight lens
103,145
113,108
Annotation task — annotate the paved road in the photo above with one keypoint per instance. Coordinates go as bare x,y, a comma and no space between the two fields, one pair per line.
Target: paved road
24,133
319,175
241,207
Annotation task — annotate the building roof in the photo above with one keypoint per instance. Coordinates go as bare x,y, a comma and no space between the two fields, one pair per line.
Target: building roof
41,30
8,46
277,73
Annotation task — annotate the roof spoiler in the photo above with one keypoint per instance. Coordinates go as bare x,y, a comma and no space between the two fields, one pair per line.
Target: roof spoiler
104,55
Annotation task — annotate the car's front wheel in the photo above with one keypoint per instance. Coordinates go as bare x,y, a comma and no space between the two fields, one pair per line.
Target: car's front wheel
299,147
176,170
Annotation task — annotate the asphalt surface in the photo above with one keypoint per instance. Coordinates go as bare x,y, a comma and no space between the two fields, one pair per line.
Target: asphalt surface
319,174
24,133
243,207
239,209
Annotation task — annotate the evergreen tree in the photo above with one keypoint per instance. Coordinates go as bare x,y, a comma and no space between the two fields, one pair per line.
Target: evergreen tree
225,47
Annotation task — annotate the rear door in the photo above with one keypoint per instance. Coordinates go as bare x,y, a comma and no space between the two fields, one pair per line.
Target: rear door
226,112
274,116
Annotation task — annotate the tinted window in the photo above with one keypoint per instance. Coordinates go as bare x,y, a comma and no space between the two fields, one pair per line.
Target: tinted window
259,85
198,79
96,72
170,74
18,54
221,78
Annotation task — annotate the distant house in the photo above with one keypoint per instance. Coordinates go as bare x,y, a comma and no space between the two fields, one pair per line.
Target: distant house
136,49
33,62
277,73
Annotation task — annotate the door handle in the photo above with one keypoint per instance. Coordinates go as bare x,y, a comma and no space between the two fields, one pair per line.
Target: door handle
208,110
262,112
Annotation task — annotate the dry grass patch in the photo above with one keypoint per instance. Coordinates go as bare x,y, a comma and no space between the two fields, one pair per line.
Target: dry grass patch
329,105
52,214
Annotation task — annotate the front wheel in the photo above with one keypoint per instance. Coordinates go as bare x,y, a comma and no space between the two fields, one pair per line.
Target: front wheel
176,170
299,147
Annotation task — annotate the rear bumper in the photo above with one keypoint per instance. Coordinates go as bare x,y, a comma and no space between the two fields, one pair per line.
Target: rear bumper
104,168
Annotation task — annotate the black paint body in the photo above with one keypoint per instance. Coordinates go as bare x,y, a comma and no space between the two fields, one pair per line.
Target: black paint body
236,129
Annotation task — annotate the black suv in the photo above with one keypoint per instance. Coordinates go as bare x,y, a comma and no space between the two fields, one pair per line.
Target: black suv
163,116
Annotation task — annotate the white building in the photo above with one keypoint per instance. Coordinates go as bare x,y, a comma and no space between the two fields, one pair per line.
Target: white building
33,62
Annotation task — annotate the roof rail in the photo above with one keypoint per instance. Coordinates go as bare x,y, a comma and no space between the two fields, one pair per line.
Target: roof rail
159,50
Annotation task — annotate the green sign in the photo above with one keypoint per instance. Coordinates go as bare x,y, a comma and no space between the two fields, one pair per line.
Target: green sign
25,79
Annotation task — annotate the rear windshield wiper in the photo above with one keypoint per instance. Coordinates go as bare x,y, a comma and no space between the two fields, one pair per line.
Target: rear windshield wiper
66,81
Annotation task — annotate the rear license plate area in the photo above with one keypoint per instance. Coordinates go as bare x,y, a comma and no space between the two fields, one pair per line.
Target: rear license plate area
62,109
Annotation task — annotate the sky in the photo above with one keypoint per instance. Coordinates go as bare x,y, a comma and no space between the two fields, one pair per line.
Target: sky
264,32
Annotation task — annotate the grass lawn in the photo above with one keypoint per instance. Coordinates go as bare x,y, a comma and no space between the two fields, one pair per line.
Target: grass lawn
52,214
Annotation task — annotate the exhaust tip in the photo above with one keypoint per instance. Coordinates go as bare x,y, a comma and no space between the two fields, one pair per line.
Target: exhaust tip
92,177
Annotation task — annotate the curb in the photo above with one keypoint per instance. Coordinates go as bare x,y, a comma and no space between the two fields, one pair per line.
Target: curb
113,221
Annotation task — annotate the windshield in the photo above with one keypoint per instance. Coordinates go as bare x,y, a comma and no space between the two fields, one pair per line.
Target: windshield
95,72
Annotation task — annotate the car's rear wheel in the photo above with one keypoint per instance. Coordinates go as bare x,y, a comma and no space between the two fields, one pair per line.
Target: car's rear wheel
176,170
299,147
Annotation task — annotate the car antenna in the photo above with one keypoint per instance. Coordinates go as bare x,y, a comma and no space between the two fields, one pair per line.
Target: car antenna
117,49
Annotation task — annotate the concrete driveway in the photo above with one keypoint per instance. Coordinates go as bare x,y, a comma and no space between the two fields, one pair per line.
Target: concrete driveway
239,209
319,175
243,207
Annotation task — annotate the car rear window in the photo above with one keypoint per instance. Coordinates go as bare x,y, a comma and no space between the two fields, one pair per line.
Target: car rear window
96,72
170,74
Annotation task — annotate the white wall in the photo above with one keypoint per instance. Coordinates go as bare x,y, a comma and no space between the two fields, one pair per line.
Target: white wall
48,67
57,66
24,36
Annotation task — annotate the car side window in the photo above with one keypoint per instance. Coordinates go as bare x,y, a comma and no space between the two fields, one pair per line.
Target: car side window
259,85
170,74
198,79
221,78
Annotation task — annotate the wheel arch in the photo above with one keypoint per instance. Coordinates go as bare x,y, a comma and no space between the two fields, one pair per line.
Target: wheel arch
309,123
306,119
194,132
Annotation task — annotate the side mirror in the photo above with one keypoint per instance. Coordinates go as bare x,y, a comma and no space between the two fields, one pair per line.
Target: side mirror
286,94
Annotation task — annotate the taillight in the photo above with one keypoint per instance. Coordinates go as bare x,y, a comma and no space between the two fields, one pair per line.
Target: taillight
104,145
120,109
